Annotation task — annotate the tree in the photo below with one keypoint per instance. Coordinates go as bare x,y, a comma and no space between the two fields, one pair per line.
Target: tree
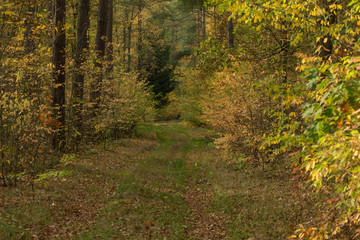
230,27
59,58
81,53
129,34
100,45
323,34
200,10
203,22
109,37
29,43
326,42
140,42
160,72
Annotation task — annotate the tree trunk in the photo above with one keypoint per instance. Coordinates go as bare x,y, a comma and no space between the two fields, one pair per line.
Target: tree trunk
109,38
198,26
100,43
28,38
203,23
74,9
140,45
215,21
124,36
49,9
325,43
230,26
285,45
59,57
129,40
81,54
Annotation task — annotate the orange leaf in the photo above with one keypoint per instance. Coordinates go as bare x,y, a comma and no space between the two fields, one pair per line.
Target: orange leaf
149,224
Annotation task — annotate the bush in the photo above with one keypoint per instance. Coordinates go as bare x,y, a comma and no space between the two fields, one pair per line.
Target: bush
127,102
189,97
251,108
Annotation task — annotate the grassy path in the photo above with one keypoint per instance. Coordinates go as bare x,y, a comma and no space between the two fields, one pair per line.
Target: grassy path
157,197
170,185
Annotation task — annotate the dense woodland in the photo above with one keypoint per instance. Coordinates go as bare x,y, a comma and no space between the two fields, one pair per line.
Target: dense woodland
277,80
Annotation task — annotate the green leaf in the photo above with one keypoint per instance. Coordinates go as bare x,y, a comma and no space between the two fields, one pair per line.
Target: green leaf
308,112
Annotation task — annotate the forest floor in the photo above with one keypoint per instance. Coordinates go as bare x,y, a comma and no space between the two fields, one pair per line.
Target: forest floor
168,182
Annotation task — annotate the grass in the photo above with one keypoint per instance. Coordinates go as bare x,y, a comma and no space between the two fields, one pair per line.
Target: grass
149,201
262,205
169,182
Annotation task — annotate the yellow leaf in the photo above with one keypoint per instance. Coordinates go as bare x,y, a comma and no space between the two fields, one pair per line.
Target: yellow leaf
355,59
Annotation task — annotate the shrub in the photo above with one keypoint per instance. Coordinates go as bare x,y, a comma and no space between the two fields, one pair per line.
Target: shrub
126,103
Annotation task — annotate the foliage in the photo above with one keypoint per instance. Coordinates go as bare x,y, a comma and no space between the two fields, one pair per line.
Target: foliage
171,111
189,96
127,103
212,55
331,138
24,111
328,141
237,108
249,94
160,72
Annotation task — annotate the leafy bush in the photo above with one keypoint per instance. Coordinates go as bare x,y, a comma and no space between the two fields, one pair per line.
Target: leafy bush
237,108
127,102
326,139
331,140
25,122
171,111
189,97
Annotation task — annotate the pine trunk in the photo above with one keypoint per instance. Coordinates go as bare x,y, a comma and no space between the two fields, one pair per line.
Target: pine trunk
140,45
100,44
109,38
59,58
81,53
129,41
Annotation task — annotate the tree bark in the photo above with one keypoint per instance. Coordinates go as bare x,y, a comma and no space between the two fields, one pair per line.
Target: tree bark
326,44
129,41
203,22
285,45
74,9
100,44
59,58
109,38
198,26
140,45
29,22
230,26
124,35
81,54
49,9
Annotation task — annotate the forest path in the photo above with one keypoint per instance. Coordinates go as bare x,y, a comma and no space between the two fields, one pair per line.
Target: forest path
165,194
184,190
168,183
